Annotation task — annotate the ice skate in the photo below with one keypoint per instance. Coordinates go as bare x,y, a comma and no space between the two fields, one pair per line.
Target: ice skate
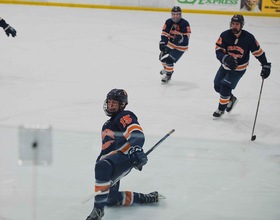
218,114
162,72
151,197
96,214
232,102
166,78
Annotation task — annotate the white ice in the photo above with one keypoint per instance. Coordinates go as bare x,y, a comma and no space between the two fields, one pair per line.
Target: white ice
57,72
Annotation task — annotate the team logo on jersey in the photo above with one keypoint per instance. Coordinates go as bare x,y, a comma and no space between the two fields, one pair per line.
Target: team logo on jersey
235,51
109,133
108,138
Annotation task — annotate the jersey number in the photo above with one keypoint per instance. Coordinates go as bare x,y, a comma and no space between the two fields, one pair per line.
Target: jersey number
125,120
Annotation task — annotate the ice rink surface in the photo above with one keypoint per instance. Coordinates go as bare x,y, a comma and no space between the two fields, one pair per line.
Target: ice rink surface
57,72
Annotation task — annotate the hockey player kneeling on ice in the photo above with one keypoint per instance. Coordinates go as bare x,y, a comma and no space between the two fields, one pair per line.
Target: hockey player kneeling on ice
122,148
174,42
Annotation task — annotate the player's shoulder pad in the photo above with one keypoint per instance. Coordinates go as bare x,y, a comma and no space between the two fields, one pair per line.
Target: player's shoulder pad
247,34
125,113
226,34
184,22
169,22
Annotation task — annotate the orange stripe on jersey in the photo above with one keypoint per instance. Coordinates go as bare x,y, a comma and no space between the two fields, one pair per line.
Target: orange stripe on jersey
112,152
220,48
131,128
180,48
125,148
224,101
164,34
128,198
242,67
258,53
176,32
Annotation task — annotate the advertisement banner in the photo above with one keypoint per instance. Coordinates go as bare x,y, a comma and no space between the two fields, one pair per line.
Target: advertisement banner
255,7
271,6
226,5
251,5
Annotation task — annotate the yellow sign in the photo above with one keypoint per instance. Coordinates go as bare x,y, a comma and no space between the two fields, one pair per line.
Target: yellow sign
271,6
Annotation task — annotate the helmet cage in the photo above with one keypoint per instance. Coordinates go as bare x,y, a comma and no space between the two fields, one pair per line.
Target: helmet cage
176,14
119,95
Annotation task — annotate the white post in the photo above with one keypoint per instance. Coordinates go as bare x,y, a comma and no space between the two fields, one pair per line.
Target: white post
35,148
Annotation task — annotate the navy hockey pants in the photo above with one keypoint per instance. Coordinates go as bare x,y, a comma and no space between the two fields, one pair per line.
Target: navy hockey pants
109,169
175,55
168,63
226,80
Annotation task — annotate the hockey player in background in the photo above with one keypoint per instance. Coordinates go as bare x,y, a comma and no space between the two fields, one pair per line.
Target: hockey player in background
233,50
7,28
174,42
122,143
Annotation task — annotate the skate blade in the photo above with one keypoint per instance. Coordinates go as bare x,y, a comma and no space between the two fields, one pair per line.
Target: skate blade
165,81
217,118
161,197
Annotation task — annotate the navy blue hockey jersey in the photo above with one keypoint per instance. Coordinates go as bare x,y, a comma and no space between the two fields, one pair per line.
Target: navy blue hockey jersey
171,29
120,132
239,48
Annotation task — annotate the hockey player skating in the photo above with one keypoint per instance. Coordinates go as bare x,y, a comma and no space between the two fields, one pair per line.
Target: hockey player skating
7,28
174,42
233,50
122,142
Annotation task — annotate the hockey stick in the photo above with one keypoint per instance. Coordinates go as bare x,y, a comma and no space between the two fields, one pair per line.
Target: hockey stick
253,137
113,182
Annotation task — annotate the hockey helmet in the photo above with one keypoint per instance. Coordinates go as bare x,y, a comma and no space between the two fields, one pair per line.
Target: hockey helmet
239,19
176,14
119,95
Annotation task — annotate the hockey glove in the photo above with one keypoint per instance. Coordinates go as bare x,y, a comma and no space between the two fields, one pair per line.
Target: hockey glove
163,55
178,39
162,46
230,62
9,30
265,70
137,157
